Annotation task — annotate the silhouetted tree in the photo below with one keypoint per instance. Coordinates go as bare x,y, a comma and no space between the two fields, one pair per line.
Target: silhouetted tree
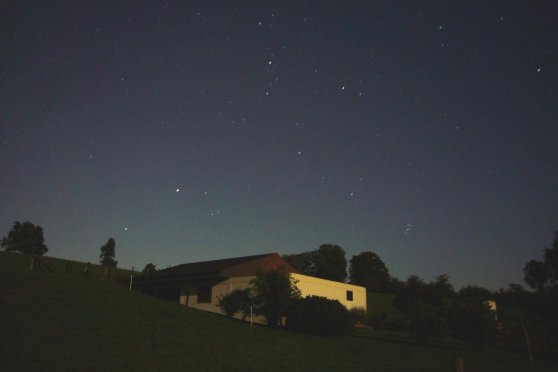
474,293
536,275
238,300
25,238
107,253
327,262
542,306
551,261
305,262
473,322
331,263
541,275
427,305
149,269
273,290
367,269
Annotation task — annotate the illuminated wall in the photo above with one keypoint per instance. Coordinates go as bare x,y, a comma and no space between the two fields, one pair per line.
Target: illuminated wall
351,296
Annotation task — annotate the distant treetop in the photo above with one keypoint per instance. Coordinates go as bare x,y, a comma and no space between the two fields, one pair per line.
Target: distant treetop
25,238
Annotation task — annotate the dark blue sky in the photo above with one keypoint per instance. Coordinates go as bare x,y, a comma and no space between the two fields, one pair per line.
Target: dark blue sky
425,132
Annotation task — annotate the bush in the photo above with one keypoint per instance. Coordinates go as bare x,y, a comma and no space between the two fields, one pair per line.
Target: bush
320,316
236,301
274,291
474,323
359,316
379,320
423,322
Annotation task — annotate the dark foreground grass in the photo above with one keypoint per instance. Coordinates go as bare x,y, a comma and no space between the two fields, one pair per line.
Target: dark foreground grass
58,321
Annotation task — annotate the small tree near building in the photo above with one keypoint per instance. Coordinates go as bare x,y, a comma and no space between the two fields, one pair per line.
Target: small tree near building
237,301
107,253
274,290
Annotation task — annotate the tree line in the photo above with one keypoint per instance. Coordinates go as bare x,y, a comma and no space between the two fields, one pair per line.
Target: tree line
328,262
527,317
26,237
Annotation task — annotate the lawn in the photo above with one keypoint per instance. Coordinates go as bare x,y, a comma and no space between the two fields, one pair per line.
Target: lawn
69,320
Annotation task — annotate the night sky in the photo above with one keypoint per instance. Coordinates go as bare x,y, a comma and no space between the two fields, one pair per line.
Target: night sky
188,131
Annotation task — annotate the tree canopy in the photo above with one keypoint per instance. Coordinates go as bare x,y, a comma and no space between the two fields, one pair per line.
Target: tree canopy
274,290
25,238
149,269
331,263
543,275
368,270
107,253
327,262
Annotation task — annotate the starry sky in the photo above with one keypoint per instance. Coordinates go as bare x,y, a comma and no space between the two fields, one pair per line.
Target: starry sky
196,130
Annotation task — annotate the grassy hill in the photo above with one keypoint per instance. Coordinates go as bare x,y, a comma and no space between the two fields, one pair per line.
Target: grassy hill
69,320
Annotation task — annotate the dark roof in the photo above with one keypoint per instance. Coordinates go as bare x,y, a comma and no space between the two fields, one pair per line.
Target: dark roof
224,268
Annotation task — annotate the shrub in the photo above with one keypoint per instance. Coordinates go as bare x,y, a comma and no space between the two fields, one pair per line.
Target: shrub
359,316
320,316
423,322
379,320
236,301
274,291
474,323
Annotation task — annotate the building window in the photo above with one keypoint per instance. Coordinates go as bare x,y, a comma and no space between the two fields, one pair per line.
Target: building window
204,293
349,295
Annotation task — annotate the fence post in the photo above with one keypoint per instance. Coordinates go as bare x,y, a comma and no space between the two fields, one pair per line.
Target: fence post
86,268
527,342
131,278
32,264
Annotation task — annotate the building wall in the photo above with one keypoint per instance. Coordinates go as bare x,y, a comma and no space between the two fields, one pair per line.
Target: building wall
311,286
308,285
189,291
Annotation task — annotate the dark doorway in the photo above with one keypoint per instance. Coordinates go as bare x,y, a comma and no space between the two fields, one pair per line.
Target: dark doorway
204,293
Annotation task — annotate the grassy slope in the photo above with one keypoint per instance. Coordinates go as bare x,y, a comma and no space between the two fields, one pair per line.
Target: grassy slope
72,321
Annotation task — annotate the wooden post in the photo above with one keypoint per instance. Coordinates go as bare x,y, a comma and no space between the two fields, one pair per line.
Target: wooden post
458,364
131,278
32,264
527,342
86,268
